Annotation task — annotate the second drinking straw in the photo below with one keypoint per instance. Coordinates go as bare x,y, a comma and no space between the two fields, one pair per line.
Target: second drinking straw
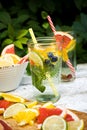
47,74
54,31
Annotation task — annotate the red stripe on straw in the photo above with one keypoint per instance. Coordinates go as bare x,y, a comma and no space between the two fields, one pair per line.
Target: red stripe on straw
70,66
54,31
51,24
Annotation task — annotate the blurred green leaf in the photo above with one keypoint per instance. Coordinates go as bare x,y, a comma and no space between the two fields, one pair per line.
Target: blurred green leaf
2,26
5,17
18,44
45,25
21,19
23,40
7,42
21,33
44,14
11,31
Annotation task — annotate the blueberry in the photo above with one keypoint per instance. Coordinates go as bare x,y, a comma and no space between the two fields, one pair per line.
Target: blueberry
54,59
50,55
47,61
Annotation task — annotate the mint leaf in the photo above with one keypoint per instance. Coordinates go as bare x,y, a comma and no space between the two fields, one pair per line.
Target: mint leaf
37,78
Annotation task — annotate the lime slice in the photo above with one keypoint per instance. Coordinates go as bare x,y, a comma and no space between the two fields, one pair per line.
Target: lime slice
54,123
36,59
76,125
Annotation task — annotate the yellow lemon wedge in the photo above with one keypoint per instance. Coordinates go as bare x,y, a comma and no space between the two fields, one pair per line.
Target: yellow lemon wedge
71,45
12,98
26,116
31,104
76,125
48,105
13,109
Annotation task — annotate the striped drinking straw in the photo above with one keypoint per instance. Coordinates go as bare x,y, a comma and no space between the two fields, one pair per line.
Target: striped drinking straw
69,64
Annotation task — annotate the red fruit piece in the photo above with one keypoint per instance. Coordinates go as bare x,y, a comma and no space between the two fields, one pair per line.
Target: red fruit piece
69,118
4,104
45,112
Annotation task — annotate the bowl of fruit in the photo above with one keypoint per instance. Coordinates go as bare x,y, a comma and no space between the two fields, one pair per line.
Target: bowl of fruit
12,68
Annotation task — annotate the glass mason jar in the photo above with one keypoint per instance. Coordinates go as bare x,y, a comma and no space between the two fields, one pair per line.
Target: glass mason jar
45,66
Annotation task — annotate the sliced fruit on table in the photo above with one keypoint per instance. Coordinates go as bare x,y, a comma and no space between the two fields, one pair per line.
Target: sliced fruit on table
26,116
54,123
31,104
12,98
8,49
13,109
4,104
35,58
48,105
76,125
46,112
70,116
2,110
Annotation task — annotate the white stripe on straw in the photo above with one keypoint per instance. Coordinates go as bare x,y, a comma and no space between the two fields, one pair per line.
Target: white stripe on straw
70,66
54,31
51,24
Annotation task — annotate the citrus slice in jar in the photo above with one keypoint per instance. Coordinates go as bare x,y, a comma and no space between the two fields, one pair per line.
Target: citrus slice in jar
35,58
66,42
54,123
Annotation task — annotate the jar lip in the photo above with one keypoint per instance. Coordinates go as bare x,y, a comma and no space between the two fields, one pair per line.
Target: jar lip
47,39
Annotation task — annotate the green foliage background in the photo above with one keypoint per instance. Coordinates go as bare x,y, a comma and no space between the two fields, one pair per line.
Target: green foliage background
17,16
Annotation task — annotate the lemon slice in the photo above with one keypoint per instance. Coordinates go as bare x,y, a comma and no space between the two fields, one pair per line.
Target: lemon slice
36,59
12,98
13,109
31,104
76,125
6,60
14,57
48,105
71,45
54,123
26,116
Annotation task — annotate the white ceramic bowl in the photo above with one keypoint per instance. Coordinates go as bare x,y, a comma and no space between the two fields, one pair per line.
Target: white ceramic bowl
10,77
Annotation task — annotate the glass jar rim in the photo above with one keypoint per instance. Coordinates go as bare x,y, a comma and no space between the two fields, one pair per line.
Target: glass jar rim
41,40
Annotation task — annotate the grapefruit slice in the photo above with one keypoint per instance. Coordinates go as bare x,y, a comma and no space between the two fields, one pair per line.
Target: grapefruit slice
65,40
8,49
